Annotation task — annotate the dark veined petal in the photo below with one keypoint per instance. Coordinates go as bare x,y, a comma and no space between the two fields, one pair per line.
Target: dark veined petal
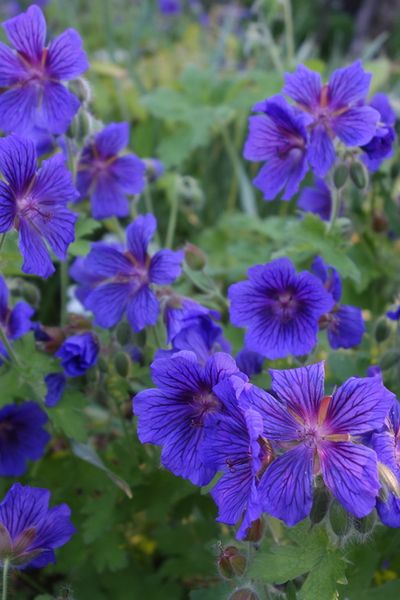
165,266
18,109
303,86
300,389
19,322
36,257
7,207
3,299
356,126
11,68
179,375
53,183
282,174
108,199
348,85
350,471
285,489
316,199
219,366
27,32
139,234
66,58
129,171
112,139
347,328
105,261
358,406
389,511
56,529
108,303
17,162
58,108
23,507
55,383
143,308
321,153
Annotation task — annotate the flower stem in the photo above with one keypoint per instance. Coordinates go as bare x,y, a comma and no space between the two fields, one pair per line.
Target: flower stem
6,564
63,292
2,240
8,347
173,217
288,16
336,201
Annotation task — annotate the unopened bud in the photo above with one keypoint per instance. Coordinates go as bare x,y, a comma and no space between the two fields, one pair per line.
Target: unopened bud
231,563
291,593
340,176
358,175
123,333
195,257
382,330
190,192
389,359
30,293
320,505
339,519
154,168
366,524
122,364
81,88
379,222
256,531
102,364
388,479
244,594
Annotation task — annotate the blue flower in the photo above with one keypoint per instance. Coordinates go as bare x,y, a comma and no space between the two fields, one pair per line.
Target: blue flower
380,147
34,202
78,354
124,279
280,309
22,437
30,530
15,322
108,177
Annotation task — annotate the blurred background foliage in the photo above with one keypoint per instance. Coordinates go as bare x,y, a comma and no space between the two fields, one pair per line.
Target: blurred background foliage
186,85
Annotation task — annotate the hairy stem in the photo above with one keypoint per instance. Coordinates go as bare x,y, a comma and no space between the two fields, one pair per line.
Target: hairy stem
6,565
336,201
4,339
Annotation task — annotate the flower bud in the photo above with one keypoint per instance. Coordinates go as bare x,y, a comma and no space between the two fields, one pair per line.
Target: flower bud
102,364
256,531
339,519
358,175
244,594
382,330
291,591
389,359
154,168
81,88
340,175
123,333
320,505
379,222
30,293
122,363
195,257
231,563
189,192
366,524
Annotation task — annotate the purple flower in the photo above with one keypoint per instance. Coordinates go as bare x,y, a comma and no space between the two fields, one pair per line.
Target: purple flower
334,110
386,444
280,308
278,137
394,315
55,383
29,530
22,437
124,278
233,447
380,146
177,413
316,434
344,324
154,168
106,176
170,7
78,353
34,202
31,75
249,362
316,199
16,321
202,336
180,312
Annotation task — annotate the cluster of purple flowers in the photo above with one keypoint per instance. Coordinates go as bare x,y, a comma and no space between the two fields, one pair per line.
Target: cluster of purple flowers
292,139
272,448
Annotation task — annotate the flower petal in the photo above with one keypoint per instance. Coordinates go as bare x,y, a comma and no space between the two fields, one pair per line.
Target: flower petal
36,257
18,108
66,58
58,108
143,309
139,234
165,266
285,489
20,320
53,183
108,303
27,32
356,126
347,328
112,139
129,171
348,85
321,154
11,68
105,261
108,199
316,199
303,86
17,162
23,507
7,207
350,471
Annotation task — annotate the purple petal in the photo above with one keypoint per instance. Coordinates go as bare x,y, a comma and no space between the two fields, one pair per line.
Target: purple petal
356,126
105,261
303,86
20,320
108,303
219,366
53,182
18,109
348,85
358,406
3,299
55,383
301,389
23,507
165,266
112,139
108,199
178,375
321,154
329,277
381,103
346,328
66,58
36,257
282,174
389,511
11,68
129,171
139,234
316,199
285,490
143,309
18,162
7,207
350,472
58,108
27,32
56,529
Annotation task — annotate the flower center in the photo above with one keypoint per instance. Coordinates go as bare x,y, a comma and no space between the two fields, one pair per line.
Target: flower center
204,404
285,305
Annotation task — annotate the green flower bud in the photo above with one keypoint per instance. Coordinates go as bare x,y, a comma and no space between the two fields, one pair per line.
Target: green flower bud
358,175
382,330
102,364
320,505
81,88
195,257
339,519
30,293
291,591
340,175
124,333
189,192
122,364
366,524
231,563
389,359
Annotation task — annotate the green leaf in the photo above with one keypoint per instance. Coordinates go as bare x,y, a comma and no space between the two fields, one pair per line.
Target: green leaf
323,579
69,416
